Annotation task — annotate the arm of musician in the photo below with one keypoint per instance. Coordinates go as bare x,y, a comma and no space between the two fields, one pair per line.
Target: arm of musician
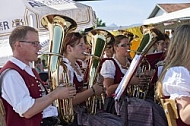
41,103
110,86
15,92
183,105
134,80
84,95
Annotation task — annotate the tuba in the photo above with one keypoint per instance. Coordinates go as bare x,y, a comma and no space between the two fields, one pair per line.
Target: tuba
98,39
2,114
141,90
149,38
58,27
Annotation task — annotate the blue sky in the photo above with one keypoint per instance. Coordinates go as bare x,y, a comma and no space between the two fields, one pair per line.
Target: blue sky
126,12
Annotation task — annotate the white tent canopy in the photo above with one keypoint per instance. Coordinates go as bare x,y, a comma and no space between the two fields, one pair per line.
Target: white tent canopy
30,12
5,51
173,16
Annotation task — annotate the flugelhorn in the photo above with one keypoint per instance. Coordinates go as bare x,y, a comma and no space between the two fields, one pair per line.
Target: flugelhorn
59,26
150,37
98,39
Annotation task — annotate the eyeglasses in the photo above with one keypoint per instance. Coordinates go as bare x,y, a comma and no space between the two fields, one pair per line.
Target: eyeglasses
125,45
35,43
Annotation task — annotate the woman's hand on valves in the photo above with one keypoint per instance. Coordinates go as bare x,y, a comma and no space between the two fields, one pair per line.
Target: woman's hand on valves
97,89
144,79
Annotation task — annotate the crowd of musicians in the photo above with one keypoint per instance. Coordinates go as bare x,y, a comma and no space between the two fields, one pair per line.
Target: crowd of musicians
164,73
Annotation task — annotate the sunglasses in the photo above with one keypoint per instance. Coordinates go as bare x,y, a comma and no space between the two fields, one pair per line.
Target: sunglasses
35,43
125,45
73,37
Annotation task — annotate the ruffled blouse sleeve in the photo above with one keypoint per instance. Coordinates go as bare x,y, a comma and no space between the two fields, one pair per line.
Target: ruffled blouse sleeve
108,69
176,82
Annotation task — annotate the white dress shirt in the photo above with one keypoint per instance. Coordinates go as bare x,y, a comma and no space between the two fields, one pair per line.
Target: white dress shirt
16,93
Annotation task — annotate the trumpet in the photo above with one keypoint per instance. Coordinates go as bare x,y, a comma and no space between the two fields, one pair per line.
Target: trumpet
59,26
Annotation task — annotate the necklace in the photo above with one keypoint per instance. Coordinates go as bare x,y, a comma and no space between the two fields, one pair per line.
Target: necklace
126,66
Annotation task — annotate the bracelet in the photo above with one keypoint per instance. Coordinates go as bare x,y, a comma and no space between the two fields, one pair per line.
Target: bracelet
93,90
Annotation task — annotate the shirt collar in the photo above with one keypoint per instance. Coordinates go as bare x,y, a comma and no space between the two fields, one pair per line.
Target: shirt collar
22,65
19,63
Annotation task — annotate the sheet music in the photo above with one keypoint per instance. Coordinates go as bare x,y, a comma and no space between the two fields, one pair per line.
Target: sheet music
128,75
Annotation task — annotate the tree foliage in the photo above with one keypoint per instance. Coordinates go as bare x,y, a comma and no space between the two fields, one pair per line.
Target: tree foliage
100,23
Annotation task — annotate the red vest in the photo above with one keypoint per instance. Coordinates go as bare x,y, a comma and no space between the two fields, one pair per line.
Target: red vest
118,74
13,118
78,85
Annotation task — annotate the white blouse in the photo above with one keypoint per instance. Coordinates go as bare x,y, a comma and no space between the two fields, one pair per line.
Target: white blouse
108,69
176,82
71,71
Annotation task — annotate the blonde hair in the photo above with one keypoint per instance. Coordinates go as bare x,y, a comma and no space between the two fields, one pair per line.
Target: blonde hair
177,54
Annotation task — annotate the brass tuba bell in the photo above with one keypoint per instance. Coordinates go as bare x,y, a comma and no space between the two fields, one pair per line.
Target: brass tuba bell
98,39
58,27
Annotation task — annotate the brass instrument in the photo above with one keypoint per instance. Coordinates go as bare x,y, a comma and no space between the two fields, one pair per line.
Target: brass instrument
141,90
150,37
58,27
2,114
98,39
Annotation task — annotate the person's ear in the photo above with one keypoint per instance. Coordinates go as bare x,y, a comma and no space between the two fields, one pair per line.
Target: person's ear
17,44
69,48
115,48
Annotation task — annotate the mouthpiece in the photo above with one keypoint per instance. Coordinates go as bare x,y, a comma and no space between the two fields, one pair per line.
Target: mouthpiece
85,53
131,50
49,53
40,53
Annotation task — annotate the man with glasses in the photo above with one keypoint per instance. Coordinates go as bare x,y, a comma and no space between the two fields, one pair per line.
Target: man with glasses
24,96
